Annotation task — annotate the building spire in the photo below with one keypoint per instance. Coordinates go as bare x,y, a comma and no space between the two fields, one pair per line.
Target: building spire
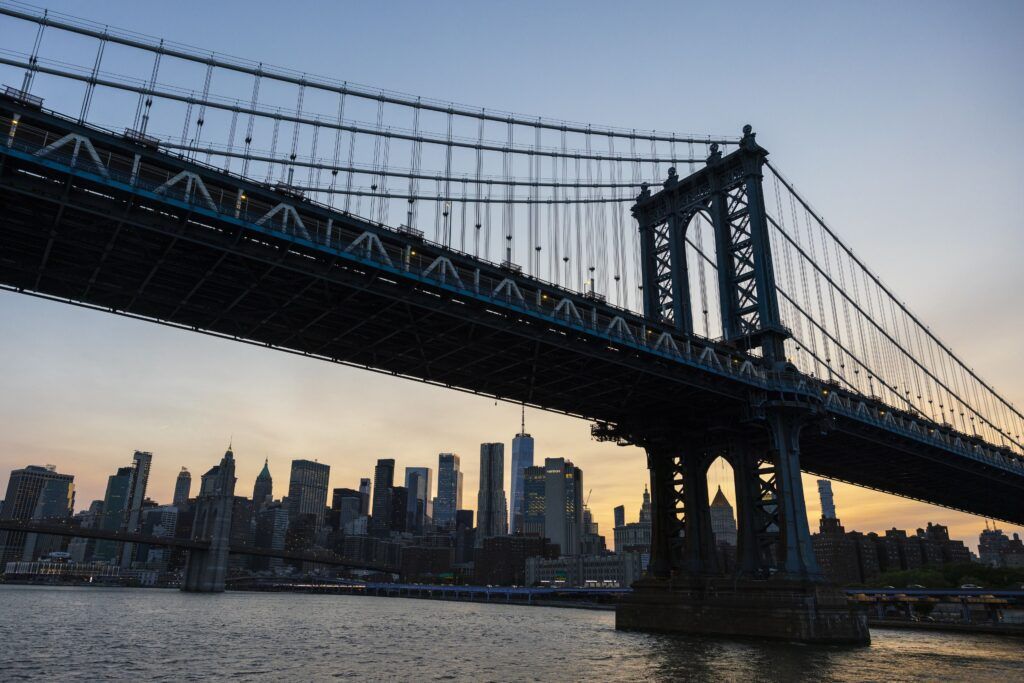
522,422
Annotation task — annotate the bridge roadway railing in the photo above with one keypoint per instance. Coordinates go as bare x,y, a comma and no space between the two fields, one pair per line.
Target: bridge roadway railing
130,162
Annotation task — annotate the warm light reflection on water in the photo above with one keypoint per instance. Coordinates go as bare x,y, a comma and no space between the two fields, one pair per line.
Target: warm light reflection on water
149,634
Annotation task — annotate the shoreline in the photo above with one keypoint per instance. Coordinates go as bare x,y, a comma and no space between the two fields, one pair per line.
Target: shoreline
1015,630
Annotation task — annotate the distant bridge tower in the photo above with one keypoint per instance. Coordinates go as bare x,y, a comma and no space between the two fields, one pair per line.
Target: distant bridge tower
207,569
778,589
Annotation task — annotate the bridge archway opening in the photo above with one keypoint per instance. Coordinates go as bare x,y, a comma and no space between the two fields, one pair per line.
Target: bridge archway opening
703,275
721,487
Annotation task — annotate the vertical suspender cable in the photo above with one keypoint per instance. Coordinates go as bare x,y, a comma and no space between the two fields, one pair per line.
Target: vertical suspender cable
33,60
252,117
146,98
202,109
90,85
479,186
337,145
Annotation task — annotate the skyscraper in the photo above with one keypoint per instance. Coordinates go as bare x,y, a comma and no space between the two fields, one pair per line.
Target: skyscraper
182,488
563,504
346,506
449,491
141,463
522,457
307,490
399,509
271,531
383,482
828,505
263,489
620,516
115,502
534,493
723,523
420,508
33,493
491,511
364,494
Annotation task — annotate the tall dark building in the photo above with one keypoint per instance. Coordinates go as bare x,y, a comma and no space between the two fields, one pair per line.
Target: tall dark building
263,489
534,486
307,490
491,510
271,533
420,507
141,463
563,504
182,488
620,516
34,493
383,482
522,457
364,493
464,536
346,506
449,490
115,503
399,509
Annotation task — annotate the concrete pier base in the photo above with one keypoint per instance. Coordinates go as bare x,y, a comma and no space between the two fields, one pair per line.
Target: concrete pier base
777,608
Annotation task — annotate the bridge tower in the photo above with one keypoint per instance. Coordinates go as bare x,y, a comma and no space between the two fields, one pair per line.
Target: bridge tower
777,589
206,569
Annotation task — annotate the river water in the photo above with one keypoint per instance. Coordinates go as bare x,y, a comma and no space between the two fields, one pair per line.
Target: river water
93,634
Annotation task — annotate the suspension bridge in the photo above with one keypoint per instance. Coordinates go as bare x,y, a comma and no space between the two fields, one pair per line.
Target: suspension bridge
675,290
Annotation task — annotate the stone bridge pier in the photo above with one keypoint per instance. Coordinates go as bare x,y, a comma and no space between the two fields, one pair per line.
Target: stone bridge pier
207,569
776,589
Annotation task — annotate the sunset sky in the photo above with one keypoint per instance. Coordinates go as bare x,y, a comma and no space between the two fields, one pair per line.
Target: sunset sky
900,122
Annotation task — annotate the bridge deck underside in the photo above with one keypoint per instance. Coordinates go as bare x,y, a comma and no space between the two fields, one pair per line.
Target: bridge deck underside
883,461
68,242
93,245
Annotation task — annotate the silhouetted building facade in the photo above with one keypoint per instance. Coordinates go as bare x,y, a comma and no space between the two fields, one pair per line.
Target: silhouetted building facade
449,491
364,493
465,536
307,490
636,536
563,504
182,489
271,533
383,482
34,493
346,507
263,489
534,493
491,510
501,560
849,558
420,510
142,461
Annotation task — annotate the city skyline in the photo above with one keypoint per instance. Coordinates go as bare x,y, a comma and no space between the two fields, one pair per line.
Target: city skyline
126,385
162,493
